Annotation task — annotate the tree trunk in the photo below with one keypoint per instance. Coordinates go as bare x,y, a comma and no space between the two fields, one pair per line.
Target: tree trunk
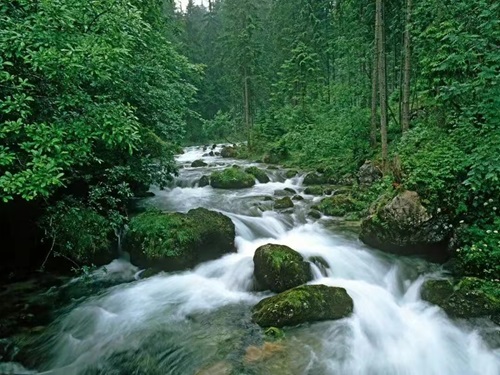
373,128
382,78
246,104
405,123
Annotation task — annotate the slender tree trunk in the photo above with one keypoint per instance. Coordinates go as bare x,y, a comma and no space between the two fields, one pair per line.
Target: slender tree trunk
382,78
246,103
373,128
405,123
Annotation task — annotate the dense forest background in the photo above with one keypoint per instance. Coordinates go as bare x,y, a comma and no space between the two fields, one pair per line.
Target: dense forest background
97,96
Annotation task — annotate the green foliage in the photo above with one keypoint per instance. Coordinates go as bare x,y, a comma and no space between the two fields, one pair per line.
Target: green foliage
480,253
82,84
159,234
76,231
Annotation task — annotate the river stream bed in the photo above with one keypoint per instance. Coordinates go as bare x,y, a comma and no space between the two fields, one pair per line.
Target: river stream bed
198,322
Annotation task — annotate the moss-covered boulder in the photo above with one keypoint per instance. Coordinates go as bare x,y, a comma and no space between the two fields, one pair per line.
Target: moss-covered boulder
404,226
291,173
283,203
315,179
306,303
278,268
232,178
259,174
467,298
337,205
198,163
177,241
229,152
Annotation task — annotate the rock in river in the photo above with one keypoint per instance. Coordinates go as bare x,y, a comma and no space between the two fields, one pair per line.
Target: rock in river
278,268
307,303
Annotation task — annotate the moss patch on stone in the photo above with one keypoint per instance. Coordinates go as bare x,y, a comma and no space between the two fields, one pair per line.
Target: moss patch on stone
232,178
278,268
305,303
337,205
175,241
283,203
469,297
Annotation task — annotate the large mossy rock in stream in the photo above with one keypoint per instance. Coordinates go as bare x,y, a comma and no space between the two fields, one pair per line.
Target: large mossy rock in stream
403,226
278,268
229,152
467,298
177,241
259,174
232,178
198,163
306,303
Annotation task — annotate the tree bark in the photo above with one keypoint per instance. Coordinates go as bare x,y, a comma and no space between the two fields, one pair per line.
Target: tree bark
246,103
405,123
373,128
382,78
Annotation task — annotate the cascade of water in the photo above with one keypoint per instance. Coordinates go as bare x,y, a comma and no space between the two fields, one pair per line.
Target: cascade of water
176,318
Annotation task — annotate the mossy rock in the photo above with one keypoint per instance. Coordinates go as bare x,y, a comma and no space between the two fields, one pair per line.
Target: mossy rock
291,173
283,203
232,178
337,205
306,303
315,179
198,163
315,214
229,152
176,241
315,190
298,198
204,181
259,174
278,268
403,226
470,297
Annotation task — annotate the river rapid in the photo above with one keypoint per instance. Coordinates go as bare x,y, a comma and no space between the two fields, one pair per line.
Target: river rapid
198,321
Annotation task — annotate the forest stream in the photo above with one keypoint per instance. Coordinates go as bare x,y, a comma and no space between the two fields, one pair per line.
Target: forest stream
198,322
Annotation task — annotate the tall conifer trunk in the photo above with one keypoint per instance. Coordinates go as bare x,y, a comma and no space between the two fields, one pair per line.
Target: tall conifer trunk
405,123
382,78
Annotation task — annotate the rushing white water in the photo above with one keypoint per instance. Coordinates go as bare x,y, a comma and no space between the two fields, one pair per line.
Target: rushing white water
174,320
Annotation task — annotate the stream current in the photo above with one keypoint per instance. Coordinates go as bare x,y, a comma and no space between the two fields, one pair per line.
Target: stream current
198,322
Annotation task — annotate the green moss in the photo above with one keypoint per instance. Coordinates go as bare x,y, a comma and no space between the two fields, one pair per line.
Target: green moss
303,304
278,267
291,173
468,298
232,178
172,241
259,174
338,205
283,203
159,234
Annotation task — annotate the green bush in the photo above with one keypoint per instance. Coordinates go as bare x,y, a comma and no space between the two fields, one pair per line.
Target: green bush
76,231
